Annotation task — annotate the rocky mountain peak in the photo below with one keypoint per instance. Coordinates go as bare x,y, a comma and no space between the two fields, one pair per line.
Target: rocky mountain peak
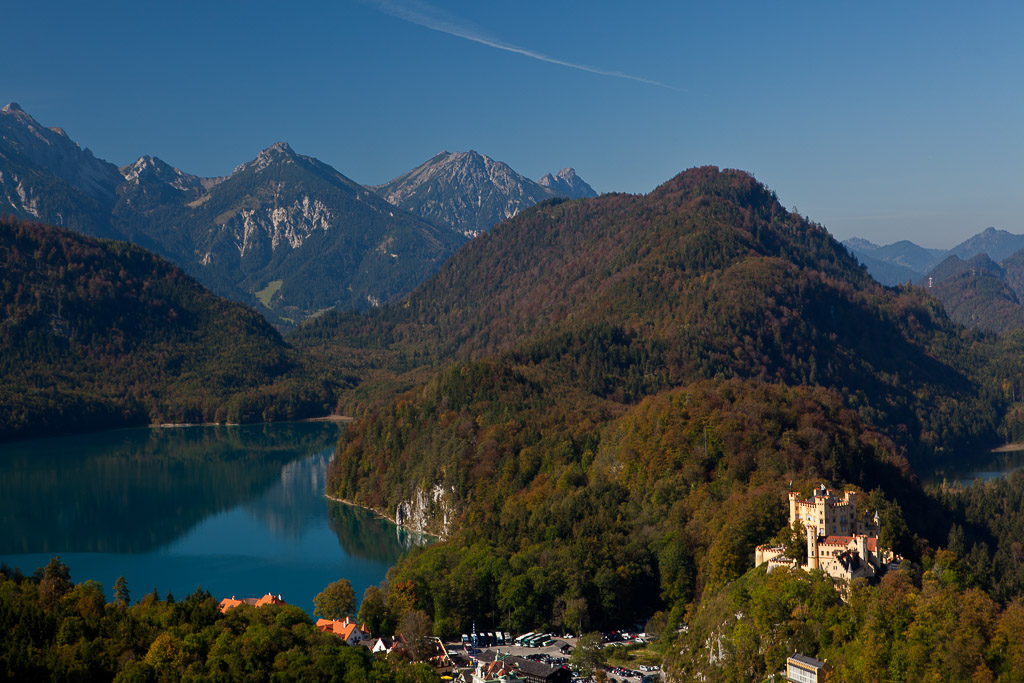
567,184
148,169
24,138
280,147
277,152
466,191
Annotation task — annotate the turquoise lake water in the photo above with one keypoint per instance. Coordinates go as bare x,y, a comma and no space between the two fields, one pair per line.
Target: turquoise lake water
237,510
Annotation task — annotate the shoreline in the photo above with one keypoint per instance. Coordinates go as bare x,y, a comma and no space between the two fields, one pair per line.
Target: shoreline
364,507
381,515
1009,447
338,419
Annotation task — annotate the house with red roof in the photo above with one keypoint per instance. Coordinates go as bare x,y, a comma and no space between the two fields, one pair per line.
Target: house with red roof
346,629
268,599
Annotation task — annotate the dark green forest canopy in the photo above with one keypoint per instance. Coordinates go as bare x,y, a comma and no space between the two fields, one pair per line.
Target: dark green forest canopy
97,334
56,630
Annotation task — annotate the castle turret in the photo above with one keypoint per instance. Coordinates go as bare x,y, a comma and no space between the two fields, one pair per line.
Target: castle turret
794,497
812,547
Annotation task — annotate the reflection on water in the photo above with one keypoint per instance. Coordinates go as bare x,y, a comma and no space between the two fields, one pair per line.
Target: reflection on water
237,510
988,466
296,497
135,490
359,532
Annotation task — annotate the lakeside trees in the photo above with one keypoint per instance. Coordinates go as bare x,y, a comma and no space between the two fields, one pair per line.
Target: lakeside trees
56,630
336,601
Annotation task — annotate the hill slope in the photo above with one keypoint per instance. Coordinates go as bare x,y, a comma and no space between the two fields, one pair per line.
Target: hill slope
626,384
97,334
706,276
979,292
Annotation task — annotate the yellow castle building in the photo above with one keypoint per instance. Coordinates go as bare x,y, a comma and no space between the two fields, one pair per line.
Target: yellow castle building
841,540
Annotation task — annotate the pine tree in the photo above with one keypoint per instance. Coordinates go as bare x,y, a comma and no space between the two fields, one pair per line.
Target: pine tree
121,594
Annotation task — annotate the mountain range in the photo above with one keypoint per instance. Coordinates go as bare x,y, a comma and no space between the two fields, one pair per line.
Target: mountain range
980,281
904,261
284,233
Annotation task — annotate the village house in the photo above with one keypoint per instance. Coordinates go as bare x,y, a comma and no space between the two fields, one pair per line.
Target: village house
387,644
841,540
526,670
268,599
493,672
346,629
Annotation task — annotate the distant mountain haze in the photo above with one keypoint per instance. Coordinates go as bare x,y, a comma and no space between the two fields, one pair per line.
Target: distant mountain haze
980,282
890,264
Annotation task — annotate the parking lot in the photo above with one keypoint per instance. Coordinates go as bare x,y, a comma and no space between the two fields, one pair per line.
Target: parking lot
552,655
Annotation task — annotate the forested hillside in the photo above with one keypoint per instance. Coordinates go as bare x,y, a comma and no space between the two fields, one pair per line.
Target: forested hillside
708,276
625,388
979,292
97,334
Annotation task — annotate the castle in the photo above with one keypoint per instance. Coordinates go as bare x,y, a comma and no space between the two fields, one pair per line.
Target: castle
840,541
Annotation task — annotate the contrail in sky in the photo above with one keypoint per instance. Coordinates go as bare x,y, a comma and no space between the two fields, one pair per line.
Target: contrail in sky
427,16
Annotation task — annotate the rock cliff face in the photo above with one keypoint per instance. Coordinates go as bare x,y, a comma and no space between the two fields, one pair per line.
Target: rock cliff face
431,512
302,237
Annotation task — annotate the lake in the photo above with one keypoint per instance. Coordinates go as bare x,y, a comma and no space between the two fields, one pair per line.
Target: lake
982,467
238,510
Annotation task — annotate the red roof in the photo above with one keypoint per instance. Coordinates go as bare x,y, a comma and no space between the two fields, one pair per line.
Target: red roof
845,541
342,628
268,599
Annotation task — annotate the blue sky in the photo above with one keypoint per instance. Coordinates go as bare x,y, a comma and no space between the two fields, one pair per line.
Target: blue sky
877,121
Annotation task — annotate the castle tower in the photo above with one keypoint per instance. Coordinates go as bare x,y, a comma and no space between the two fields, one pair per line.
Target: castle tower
793,514
812,547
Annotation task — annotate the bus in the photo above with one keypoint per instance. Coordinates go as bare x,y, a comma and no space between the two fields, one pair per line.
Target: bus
521,640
